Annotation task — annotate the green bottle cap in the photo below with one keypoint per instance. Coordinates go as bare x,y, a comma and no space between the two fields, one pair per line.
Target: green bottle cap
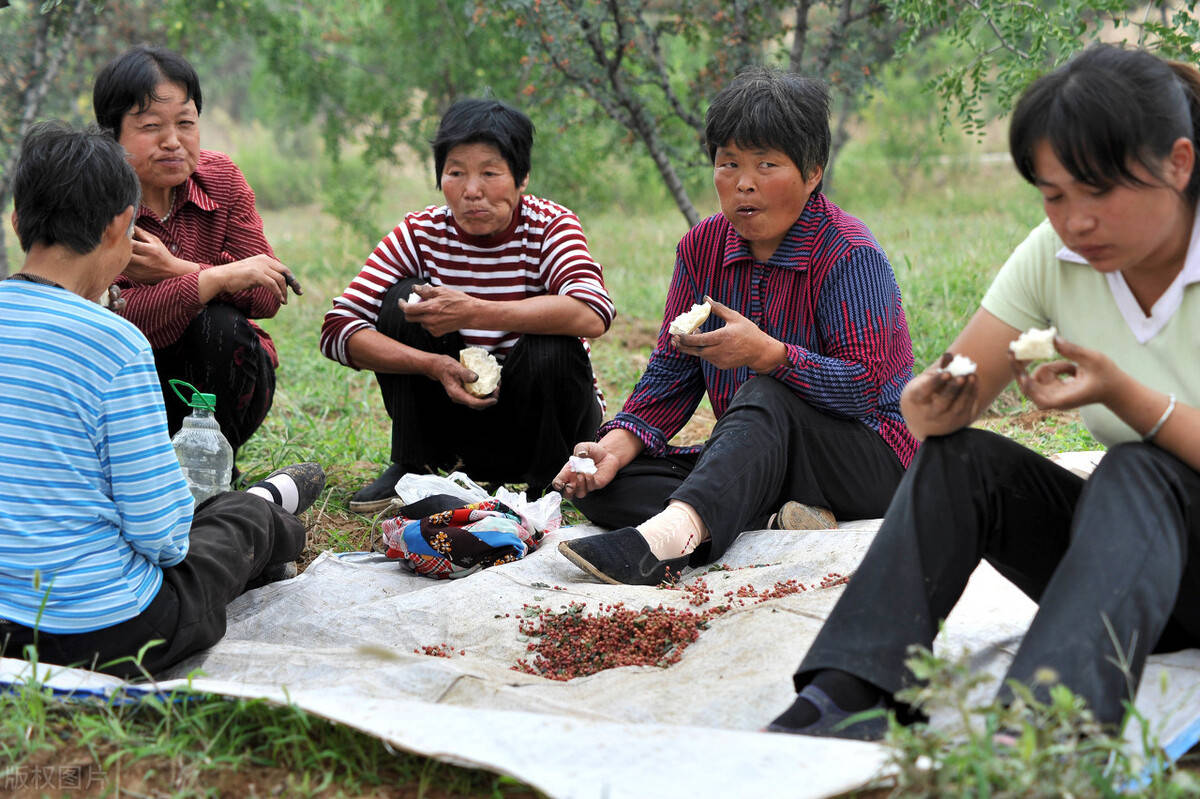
199,400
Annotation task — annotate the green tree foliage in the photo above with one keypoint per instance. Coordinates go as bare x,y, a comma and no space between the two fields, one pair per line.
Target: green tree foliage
377,75
370,71
653,67
51,51
36,39
1002,46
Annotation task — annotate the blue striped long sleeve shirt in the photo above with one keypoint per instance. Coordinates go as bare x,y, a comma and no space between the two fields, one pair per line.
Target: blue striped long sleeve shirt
93,504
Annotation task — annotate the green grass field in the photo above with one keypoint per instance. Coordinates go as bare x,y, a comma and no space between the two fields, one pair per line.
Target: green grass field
953,229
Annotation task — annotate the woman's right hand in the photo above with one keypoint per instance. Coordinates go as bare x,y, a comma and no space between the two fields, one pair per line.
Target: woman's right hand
453,376
574,484
936,403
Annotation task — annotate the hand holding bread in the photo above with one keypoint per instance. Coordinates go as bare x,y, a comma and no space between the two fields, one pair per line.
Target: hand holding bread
937,402
441,310
454,377
739,342
590,467
1087,377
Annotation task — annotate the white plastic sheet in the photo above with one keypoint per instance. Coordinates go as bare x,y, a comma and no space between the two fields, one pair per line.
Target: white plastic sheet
339,641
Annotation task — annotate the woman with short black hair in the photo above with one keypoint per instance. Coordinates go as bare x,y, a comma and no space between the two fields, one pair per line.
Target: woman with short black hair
201,267
803,359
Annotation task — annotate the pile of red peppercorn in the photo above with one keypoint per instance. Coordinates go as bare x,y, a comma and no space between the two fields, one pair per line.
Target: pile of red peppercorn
574,644
571,643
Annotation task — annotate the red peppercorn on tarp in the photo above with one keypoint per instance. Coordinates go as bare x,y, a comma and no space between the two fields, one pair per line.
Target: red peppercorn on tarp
471,671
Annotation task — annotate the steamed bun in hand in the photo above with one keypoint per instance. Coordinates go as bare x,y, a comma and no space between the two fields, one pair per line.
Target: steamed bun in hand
1034,345
485,366
688,321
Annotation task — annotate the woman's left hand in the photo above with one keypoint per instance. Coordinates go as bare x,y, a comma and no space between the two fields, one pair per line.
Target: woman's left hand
739,343
1087,377
151,261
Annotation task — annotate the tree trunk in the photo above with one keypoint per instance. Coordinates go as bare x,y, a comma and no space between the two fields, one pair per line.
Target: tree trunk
840,135
666,169
44,65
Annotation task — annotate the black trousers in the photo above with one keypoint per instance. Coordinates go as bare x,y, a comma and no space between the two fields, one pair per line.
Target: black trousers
547,404
768,447
1122,547
220,353
234,537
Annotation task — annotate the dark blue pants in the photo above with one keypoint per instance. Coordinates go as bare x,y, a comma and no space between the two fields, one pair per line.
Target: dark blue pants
1123,546
769,447
547,404
234,537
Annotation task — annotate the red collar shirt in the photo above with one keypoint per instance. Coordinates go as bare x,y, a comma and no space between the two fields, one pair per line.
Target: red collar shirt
212,222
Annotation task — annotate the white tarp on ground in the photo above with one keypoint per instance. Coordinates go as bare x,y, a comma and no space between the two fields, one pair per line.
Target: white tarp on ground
339,641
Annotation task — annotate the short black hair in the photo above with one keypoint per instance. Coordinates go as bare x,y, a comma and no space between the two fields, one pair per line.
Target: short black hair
772,109
129,81
1104,110
490,121
68,185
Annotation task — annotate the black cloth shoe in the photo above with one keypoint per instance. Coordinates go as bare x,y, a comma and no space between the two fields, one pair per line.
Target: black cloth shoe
309,478
620,557
377,495
831,723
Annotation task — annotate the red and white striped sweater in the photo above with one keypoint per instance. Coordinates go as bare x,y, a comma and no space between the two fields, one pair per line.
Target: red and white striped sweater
543,251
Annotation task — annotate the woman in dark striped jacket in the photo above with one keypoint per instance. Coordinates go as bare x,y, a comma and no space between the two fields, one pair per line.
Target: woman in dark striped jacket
803,359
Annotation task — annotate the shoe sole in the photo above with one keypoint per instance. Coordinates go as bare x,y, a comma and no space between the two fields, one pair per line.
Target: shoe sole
798,516
565,548
370,506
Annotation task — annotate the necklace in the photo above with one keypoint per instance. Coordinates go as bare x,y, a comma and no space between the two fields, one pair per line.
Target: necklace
170,206
32,278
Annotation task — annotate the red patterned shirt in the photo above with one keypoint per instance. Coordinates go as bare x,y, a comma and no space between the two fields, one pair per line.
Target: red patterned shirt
212,221
543,251
827,292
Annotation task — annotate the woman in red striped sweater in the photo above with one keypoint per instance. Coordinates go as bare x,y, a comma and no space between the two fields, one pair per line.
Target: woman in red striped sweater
201,267
493,268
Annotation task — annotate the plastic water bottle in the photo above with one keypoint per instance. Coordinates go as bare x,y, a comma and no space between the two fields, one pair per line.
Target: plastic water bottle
204,455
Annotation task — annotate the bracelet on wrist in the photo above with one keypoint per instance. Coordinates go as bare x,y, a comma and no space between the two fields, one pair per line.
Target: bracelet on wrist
1162,419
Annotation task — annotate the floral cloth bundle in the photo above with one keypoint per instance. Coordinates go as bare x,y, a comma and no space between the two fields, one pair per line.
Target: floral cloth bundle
444,537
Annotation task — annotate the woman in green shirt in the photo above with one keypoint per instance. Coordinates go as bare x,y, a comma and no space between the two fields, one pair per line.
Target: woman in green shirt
1109,141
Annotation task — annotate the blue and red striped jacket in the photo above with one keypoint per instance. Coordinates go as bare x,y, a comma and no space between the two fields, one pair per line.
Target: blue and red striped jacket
828,293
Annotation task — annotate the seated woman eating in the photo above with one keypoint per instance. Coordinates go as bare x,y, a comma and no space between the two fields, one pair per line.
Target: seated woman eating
1113,562
803,359
201,268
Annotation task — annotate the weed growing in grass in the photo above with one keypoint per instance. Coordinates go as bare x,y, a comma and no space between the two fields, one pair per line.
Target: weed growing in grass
1030,748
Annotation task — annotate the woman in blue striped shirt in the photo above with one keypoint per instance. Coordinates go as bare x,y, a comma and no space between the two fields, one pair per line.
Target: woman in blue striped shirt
100,552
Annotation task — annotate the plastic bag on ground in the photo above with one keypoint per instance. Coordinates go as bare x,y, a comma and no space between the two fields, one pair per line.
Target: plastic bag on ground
544,513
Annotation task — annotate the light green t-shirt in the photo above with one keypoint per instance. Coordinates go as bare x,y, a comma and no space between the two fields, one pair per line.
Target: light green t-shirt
1036,288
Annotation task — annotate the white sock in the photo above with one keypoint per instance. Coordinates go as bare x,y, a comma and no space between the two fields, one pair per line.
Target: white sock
280,489
675,531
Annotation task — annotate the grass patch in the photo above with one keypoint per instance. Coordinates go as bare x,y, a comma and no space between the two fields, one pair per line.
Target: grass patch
193,745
